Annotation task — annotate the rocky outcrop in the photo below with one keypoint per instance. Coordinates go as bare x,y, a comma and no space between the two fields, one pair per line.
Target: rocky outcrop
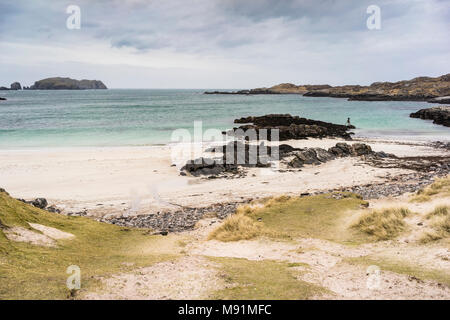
439,115
443,100
13,86
317,156
236,154
417,89
292,127
16,86
67,84
2,98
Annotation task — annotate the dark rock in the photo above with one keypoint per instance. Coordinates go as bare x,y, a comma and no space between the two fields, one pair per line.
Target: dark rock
444,100
53,209
40,203
318,155
4,191
439,115
16,86
323,155
341,150
360,149
2,98
290,127
206,166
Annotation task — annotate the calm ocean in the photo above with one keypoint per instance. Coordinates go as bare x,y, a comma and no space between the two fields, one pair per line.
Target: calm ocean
117,117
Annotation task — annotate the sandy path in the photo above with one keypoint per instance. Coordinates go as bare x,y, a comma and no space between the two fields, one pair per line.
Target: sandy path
142,180
187,278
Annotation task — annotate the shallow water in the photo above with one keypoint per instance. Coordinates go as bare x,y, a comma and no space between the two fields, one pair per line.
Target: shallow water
117,117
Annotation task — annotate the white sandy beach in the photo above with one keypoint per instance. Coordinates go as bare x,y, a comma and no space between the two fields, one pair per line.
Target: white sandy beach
137,180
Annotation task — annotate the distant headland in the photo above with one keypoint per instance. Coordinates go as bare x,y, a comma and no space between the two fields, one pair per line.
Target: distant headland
434,90
59,83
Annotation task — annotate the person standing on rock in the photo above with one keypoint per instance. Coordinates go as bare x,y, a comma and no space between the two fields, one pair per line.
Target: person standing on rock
348,122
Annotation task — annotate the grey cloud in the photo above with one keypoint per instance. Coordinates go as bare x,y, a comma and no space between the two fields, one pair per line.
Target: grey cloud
291,40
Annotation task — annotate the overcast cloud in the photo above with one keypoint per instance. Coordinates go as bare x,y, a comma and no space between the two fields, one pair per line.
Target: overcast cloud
223,43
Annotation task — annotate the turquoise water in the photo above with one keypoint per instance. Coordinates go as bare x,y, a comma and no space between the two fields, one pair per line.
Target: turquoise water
118,117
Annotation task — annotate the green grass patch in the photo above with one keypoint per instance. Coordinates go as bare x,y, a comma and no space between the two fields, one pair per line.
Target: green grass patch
324,216
263,280
35,272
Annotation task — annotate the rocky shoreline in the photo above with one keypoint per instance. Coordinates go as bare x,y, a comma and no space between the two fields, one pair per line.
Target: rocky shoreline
186,218
433,90
439,115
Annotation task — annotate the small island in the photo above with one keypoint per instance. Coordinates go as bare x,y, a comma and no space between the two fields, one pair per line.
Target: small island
59,83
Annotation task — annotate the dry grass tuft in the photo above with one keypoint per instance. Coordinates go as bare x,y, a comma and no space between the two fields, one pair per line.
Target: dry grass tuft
236,227
383,224
439,212
440,224
439,186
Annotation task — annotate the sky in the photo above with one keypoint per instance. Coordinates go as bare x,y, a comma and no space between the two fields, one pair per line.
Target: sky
223,43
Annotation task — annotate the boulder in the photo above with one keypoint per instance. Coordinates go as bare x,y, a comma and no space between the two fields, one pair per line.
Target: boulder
360,149
341,150
206,166
40,203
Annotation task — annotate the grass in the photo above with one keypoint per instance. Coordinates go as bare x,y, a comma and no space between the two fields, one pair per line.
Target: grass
440,224
320,216
438,187
383,224
35,272
267,279
237,227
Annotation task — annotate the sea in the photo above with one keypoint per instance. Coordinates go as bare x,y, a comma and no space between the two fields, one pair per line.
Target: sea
142,117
